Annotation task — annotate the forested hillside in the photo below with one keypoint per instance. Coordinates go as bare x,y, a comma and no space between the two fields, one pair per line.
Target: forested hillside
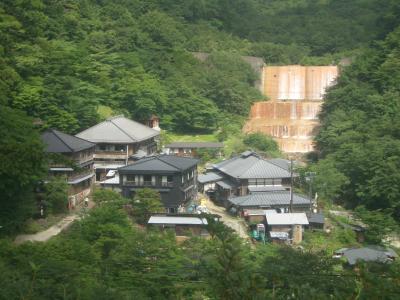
360,133
61,60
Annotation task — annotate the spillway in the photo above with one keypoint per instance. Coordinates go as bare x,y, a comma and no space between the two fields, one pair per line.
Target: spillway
295,96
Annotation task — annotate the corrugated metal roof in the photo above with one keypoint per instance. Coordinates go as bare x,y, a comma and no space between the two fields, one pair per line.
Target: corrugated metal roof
59,142
269,199
195,145
172,220
251,166
287,219
118,130
209,177
160,163
259,212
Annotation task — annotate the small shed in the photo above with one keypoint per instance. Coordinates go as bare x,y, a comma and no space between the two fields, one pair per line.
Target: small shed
257,215
316,221
183,225
292,223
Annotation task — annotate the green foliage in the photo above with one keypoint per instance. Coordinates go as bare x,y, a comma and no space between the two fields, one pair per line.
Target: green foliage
379,223
262,143
56,194
23,164
145,202
305,275
108,197
359,139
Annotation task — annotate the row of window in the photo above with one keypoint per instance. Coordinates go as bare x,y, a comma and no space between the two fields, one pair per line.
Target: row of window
148,179
265,182
111,147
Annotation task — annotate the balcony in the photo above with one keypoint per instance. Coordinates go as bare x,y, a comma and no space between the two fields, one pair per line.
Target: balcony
110,154
74,178
149,184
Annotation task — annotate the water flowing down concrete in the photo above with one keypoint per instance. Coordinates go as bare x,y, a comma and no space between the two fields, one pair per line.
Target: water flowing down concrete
295,97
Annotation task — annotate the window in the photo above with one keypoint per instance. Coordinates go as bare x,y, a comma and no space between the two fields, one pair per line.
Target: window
148,180
130,178
120,148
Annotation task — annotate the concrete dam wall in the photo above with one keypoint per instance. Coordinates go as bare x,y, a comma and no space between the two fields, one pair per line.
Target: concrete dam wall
295,97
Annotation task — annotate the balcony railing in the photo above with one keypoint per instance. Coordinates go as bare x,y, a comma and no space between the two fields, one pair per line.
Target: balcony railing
149,184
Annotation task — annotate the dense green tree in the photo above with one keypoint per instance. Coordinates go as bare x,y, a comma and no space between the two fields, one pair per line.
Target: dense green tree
261,143
56,194
23,165
145,202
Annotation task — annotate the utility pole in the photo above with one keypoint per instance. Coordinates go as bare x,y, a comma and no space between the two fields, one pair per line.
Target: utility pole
310,177
291,186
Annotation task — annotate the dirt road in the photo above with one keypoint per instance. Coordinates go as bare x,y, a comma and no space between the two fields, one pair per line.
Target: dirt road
48,233
235,223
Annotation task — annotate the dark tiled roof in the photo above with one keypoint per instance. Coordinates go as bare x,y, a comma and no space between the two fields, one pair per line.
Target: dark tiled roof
250,165
269,199
195,145
368,254
160,163
209,177
280,162
118,130
316,218
59,142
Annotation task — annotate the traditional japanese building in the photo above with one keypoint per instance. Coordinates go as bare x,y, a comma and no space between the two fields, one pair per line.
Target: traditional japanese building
72,158
174,177
119,141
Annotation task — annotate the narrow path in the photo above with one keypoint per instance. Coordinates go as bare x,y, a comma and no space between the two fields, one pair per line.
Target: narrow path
45,235
48,233
233,222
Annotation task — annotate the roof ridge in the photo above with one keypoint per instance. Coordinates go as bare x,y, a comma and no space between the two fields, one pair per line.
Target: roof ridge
55,132
128,135
158,157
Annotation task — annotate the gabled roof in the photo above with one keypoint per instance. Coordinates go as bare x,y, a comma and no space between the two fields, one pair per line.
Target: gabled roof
250,165
118,130
287,219
160,163
269,199
195,145
59,142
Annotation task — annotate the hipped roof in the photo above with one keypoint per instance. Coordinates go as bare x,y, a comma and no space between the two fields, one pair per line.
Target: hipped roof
249,165
160,163
118,130
59,142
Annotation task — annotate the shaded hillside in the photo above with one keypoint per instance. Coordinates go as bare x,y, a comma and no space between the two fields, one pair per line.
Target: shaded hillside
60,60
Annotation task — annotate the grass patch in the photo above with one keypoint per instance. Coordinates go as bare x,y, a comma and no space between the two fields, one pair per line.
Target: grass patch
169,137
